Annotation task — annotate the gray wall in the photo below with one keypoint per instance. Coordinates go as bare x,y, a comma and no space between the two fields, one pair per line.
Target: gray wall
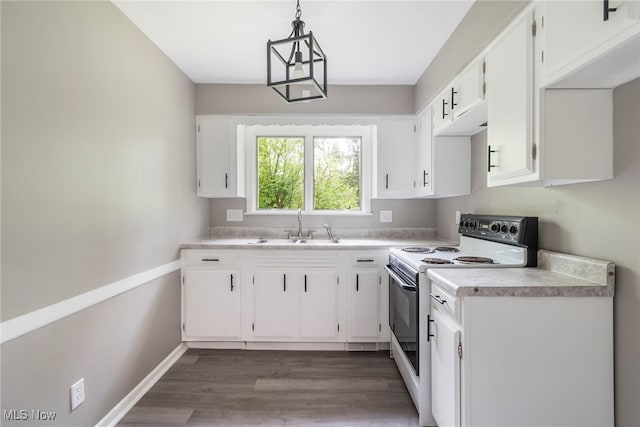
98,170
600,220
406,213
259,99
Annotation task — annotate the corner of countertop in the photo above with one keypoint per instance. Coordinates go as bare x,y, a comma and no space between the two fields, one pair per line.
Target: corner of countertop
590,269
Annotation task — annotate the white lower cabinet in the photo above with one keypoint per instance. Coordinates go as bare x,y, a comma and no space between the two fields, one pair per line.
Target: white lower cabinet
295,305
319,306
282,296
368,298
275,313
364,312
514,361
445,373
211,304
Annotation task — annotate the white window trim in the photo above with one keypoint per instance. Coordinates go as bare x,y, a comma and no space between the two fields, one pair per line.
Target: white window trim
248,135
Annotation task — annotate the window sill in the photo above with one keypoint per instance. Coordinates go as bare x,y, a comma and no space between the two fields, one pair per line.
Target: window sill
307,213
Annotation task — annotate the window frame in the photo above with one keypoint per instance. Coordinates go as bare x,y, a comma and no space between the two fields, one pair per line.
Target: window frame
308,133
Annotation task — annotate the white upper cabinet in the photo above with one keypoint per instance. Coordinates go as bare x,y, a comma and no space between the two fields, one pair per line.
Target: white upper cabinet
220,158
587,46
443,162
441,109
510,103
395,157
423,156
542,136
461,109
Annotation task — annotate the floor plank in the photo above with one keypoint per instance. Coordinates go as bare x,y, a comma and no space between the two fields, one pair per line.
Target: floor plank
277,388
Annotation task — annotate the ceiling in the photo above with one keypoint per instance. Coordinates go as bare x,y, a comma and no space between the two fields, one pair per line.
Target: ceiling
366,42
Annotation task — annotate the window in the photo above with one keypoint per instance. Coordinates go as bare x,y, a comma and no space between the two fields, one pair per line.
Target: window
321,169
280,173
336,173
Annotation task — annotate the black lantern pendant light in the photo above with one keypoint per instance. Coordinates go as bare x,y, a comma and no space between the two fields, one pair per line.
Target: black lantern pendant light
297,66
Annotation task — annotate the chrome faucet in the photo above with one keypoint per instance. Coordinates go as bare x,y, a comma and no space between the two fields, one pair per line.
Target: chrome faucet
299,222
331,238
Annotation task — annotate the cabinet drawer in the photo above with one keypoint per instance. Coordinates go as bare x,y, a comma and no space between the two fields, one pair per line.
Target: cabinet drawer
373,260
444,302
209,258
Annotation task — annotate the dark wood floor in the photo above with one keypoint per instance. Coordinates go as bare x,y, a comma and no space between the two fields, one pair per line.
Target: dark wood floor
276,388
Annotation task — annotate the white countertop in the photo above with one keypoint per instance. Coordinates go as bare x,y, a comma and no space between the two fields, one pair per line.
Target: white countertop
310,244
557,275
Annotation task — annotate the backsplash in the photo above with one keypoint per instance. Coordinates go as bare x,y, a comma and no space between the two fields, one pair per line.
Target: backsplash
415,213
320,233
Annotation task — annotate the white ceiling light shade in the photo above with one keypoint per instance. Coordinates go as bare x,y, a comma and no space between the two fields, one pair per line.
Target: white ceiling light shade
296,65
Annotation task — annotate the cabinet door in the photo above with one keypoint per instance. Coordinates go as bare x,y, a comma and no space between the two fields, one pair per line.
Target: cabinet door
275,304
576,32
510,103
424,156
441,110
396,141
215,160
445,370
468,89
364,305
319,305
212,304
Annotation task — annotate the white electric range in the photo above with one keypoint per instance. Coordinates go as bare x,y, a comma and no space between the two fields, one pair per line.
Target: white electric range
489,241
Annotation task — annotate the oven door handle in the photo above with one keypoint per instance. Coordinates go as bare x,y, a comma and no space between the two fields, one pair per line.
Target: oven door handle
399,280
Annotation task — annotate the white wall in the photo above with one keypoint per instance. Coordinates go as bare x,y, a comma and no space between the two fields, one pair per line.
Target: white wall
98,171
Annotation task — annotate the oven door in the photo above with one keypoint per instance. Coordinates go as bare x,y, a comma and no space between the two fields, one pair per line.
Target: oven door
403,314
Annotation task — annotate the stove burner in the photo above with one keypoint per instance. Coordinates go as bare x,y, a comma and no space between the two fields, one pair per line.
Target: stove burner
475,260
436,261
447,249
418,250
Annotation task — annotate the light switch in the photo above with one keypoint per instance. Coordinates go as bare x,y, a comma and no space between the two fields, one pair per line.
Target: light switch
234,215
386,216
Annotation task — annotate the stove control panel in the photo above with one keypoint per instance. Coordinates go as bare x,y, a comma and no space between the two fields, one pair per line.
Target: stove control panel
515,230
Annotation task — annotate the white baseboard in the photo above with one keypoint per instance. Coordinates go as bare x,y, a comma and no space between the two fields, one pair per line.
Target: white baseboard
120,410
218,345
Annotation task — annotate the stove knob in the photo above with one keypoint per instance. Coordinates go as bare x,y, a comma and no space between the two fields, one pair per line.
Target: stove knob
513,229
504,228
474,225
495,227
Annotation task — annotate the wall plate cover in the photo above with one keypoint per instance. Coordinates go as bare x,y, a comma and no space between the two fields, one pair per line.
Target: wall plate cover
234,215
386,216
77,393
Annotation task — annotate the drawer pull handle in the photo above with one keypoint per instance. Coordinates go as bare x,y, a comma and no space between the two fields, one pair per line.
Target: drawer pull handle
429,334
231,282
364,260
211,259
489,164
607,9
438,299
357,282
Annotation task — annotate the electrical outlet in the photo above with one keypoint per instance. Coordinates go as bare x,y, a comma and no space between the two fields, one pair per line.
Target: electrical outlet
457,217
77,394
386,216
234,215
